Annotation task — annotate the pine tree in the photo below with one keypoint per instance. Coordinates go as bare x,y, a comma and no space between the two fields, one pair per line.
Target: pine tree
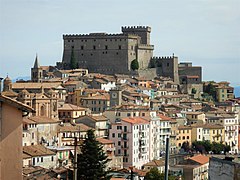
73,62
91,163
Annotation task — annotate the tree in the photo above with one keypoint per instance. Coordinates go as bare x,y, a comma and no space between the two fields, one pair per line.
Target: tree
73,62
154,174
185,146
91,163
134,65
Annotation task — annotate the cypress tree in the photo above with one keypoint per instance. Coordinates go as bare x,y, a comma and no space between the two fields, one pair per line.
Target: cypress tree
73,62
134,65
91,163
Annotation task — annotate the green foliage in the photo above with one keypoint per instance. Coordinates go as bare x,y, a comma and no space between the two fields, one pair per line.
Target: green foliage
73,62
206,146
154,174
134,65
194,91
91,163
186,147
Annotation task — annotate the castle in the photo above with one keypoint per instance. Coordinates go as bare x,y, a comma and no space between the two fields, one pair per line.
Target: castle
113,53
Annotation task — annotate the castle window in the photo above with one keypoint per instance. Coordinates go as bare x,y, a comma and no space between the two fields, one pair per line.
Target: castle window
85,40
106,40
94,47
103,52
91,54
167,64
72,40
82,47
119,47
82,54
120,39
94,40
116,53
68,40
106,52
106,47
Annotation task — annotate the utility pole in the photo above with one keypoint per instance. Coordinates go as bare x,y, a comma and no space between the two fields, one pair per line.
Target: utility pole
166,159
75,159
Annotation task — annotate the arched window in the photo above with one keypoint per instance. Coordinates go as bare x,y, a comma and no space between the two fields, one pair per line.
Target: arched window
43,110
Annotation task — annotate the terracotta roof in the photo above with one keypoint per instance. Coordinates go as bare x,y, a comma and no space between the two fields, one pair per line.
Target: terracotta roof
105,141
201,159
184,127
43,119
164,118
9,93
35,85
135,120
37,150
98,97
155,163
70,128
98,117
71,107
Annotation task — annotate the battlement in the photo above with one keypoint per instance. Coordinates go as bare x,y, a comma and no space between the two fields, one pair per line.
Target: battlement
164,57
136,28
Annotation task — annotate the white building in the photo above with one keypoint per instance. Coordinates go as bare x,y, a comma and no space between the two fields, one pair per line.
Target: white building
131,137
38,155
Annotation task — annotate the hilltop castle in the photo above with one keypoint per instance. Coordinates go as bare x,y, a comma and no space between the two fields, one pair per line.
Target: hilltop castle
113,53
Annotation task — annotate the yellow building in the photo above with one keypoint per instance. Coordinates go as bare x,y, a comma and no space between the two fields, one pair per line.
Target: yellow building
184,135
208,132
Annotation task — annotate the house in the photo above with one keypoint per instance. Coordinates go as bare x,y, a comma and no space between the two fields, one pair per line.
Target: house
68,112
67,132
12,113
97,104
184,135
98,122
41,156
159,164
42,128
193,168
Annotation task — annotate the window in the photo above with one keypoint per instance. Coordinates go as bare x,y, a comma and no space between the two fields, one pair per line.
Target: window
119,135
82,47
41,159
119,151
167,64
187,137
119,143
119,127
119,47
32,135
94,47
106,47
113,135
128,114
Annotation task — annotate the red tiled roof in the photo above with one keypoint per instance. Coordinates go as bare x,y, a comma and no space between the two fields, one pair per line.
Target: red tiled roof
200,159
135,120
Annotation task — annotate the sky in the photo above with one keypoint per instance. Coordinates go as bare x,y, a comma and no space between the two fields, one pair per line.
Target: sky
204,32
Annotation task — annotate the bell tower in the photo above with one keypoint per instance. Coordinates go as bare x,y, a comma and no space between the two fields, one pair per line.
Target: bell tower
115,97
36,71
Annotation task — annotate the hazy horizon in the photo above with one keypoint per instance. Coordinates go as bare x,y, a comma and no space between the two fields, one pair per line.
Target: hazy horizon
203,32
